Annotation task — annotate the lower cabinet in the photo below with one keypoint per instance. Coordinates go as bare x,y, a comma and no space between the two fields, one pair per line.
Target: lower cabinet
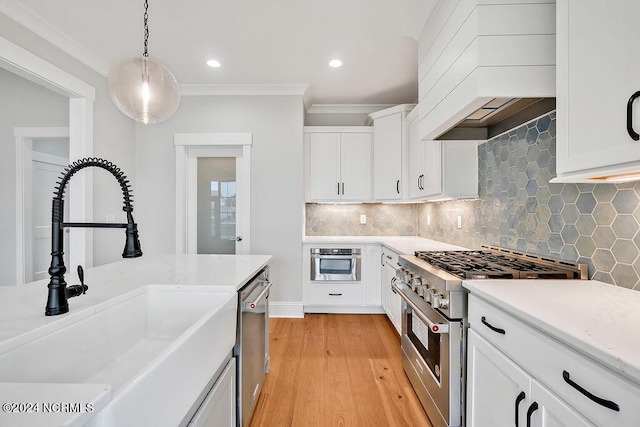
390,299
501,394
519,375
219,406
342,296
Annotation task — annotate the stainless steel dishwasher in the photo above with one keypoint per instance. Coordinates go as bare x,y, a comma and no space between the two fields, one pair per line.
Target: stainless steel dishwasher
252,343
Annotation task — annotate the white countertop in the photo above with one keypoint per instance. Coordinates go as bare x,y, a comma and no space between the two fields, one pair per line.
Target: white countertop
22,318
402,244
595,318
22,307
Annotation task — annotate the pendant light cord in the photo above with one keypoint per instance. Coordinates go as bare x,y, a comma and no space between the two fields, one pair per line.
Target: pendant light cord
146,28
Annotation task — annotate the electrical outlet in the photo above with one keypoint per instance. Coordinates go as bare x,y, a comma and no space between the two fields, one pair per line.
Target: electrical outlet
363,219
428,219
459,221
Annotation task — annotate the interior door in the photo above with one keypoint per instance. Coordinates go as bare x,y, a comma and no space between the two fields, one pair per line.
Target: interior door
217,190
45,171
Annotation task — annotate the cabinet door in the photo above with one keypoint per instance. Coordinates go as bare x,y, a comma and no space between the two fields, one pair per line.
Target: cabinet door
551,411
219,407
495,386
416,161
597,72
392,302
355,166
373,292
324,164
432,181
387,157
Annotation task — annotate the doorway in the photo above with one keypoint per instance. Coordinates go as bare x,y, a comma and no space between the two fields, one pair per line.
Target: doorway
213,216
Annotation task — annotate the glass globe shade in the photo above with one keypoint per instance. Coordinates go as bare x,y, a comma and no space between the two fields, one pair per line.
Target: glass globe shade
144,89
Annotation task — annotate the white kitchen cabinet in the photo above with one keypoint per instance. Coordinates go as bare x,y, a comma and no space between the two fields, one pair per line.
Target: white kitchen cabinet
391,301
444,169
500,393
219,406
338,163
562,381
362,296
597,73
390,152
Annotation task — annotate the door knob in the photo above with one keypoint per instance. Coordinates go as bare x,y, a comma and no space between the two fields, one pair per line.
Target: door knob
239,239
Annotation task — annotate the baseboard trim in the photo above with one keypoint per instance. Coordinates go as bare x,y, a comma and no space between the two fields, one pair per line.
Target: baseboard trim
347,309
286,309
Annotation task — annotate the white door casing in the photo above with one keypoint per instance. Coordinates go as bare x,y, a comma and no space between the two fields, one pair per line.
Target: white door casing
190,146
81,97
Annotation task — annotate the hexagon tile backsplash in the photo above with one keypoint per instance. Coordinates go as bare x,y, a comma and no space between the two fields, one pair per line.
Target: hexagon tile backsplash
597,224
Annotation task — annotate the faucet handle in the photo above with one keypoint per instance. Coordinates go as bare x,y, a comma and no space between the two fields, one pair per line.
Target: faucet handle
82,286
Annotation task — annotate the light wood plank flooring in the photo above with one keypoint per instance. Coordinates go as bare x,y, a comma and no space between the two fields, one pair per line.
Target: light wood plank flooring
336,370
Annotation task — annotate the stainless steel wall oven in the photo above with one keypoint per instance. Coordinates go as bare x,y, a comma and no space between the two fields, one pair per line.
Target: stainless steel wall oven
335,264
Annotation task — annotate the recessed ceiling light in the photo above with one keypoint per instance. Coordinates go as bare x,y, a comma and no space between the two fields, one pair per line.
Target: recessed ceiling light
213,63
335,63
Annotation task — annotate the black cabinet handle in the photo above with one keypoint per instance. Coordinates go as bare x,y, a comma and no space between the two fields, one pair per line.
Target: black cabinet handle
600,401
334,295
532,408
519,399
422,182
632,133
398,186
490,326
343,188
338,189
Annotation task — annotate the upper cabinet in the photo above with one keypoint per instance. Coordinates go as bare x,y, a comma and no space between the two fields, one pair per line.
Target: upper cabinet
390,152
441,169
485,67
598,73
338,163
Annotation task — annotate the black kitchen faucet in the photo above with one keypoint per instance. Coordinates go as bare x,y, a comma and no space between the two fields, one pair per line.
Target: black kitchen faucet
58,290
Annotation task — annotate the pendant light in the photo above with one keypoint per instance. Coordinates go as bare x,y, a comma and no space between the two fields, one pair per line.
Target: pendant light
143,88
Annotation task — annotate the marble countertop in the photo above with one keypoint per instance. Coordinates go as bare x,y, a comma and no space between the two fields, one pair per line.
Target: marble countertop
402,244
595,318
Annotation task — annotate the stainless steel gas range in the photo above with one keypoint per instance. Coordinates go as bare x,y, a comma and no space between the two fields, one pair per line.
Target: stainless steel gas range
434,316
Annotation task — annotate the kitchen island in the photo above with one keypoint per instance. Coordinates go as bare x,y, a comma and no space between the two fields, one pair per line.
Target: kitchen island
182,306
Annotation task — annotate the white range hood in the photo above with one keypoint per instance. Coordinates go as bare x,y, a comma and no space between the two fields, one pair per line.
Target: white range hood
485,67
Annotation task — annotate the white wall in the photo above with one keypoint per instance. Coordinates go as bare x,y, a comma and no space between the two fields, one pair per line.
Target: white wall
276,123
114,137
44,108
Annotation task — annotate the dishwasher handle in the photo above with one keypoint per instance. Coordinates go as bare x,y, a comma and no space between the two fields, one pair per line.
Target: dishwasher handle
251,305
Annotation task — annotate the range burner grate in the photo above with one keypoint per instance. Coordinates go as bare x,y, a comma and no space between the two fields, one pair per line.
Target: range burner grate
499,263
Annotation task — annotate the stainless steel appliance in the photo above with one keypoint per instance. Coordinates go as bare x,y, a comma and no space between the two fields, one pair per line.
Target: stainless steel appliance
335,264
434,317
252,343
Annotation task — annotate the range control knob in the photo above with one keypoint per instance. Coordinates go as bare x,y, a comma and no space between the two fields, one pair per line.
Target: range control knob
444,303
435,299
416,284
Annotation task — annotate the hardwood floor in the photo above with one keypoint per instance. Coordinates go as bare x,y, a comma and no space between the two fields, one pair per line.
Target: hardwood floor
336,370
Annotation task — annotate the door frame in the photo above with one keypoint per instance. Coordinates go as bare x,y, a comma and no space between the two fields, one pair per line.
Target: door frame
81,96
190,146
24,161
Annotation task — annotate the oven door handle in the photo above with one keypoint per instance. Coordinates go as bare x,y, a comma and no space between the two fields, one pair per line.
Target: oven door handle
251,305
436,328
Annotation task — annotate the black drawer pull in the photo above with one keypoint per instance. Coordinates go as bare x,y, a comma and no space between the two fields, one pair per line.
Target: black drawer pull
490,326
532,408
334,295
632,133
519,399
600,401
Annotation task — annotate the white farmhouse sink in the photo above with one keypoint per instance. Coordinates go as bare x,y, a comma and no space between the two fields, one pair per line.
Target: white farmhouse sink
157,347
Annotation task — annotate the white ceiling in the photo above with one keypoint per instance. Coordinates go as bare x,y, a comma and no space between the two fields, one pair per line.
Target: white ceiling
257,41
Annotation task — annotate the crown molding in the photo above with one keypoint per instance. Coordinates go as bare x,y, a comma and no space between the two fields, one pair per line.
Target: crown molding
346,108
29,19
242,89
